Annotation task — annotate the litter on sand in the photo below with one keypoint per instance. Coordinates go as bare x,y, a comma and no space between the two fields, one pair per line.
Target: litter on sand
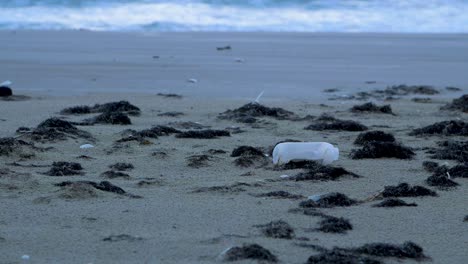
321,151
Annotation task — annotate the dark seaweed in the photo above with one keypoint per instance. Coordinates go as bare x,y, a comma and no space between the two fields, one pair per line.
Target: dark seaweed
198,161
328,200
122,166
375,150
170,95
54,129
115,174
14,147
392,202
248,112
373,108
114,118
325,122
446,128
203,134
112,107
405,190
331,224
246,151
63,168
372,136
249,251
171,114
407,250
440,180
451,150
277,229
317,172
280,195
460,104
103,186
339,257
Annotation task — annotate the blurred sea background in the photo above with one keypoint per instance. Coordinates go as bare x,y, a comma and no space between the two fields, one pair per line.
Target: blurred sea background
396,16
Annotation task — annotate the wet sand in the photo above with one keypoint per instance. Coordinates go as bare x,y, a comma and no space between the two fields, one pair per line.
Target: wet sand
168,218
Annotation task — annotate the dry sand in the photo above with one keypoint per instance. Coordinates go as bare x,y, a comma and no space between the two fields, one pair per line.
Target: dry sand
171,223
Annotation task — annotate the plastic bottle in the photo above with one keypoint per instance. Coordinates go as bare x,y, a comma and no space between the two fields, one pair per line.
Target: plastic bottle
319,151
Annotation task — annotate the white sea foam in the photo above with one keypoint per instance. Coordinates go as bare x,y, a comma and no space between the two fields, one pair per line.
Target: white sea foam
309,16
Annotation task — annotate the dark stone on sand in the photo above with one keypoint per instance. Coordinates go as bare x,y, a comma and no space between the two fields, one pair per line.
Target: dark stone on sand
280,195
171,114
249,251
103,186
54,129
277,229
405,190
371,136
392,202
5,91
63,168
112,107
372,108
203,134
224,48
459,104
376,150
170,95
246,151
339,257
115,174
440,180
252,110
326,122
198,161
317,172
451,150
446,128
114,118
122,166
328,200
331,224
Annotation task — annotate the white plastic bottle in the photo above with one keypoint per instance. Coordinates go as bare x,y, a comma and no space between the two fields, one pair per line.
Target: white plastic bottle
319,151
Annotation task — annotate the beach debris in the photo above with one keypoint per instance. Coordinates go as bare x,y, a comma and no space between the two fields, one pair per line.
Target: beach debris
248,156
248,113
327,201
450,150
192,80
55,129
15,147
64,168
284,176
376,150
203,134
289,151
198,161
280,195
460,104
25,257
372,108
171,114
326,122
277,229
170,95
86,146
393,202
331,224
239,60
122,237
111,174
406,190
223,48
318,172
257,100
112,107
371,136
5,89
122,166
248,251
446,128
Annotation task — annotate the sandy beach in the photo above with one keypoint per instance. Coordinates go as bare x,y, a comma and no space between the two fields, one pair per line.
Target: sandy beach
187,200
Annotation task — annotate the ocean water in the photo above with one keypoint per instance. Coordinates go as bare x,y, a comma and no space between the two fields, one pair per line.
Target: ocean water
411,16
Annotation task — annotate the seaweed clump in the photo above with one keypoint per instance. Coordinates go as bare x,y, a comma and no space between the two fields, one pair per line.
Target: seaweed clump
103,186
371,136
249,251
460,104
372,108
122,166
54,129
113,118
331,224
376,150
63,168
451,150
112,107
277,229
446,128
392,202
318,172
248,113
203,134
339,257
326,122
248,156
327,201
153,132
280,195
198,161
406,190
14,147
115,174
